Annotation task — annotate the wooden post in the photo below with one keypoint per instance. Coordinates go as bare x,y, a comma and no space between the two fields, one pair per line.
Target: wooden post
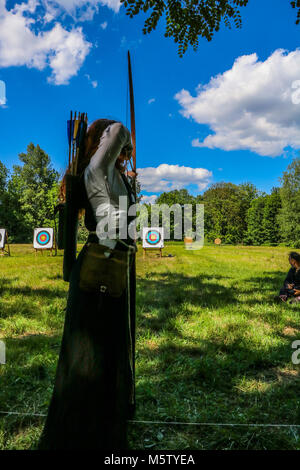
8,247
145,249
36,250
6,240
55,245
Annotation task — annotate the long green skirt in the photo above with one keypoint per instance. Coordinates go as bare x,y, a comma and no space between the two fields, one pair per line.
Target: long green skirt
94,384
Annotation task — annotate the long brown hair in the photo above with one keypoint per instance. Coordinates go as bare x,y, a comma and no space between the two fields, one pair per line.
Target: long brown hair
296,256
91,144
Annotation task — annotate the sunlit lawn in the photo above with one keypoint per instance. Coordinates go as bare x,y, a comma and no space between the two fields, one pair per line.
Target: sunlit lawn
212,347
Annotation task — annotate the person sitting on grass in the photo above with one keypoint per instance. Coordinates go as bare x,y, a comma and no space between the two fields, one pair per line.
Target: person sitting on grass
291,286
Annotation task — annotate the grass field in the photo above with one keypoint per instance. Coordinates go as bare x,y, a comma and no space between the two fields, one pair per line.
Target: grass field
212,347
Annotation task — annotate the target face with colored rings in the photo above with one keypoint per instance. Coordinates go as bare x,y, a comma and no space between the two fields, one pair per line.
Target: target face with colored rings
153,237
43,238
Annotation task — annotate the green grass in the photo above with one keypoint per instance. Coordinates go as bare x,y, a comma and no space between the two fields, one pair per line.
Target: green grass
212,346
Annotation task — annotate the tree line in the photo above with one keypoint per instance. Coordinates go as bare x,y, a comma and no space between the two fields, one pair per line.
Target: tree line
237,214
241,214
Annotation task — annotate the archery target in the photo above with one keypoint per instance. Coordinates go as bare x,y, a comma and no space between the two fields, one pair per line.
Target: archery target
188,242
153,237
2,238
43,238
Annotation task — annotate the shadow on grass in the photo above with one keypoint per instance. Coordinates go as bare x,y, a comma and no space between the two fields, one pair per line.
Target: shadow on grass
172,290
267,282
216,378
25,301
221,377
6,288
35,292
26,385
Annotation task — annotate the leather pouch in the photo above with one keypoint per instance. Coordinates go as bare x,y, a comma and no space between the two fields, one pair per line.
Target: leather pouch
104,270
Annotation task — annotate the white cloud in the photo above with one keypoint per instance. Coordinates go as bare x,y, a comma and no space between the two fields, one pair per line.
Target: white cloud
85,13
104,25
249,106
71,5
80,10
148,199
52,12
168,177
94,83
129,44
61,50
2,94
152,100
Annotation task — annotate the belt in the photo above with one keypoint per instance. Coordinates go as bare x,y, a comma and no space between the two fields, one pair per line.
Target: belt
121,245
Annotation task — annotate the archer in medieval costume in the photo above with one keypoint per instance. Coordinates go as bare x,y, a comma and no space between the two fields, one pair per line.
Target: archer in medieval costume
93,394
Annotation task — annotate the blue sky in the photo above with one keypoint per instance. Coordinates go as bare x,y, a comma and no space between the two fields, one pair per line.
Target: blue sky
228,112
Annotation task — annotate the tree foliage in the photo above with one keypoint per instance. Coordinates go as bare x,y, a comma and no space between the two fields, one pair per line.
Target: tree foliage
225,206
3,186
289,216
255,217
262,219
177,196
271,230
188,20
3,177
31,195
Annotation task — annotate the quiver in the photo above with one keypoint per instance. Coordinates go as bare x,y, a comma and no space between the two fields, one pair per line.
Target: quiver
74,201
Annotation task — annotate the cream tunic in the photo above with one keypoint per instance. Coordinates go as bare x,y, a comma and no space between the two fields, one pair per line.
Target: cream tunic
104,184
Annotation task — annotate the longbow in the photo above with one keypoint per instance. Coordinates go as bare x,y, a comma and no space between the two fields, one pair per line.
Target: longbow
133,272
132,122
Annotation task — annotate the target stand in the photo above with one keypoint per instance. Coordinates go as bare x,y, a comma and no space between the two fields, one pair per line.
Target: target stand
153,238
3,242
43,240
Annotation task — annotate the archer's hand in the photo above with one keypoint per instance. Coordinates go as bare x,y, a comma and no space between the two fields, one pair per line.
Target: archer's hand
297,292
132,174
